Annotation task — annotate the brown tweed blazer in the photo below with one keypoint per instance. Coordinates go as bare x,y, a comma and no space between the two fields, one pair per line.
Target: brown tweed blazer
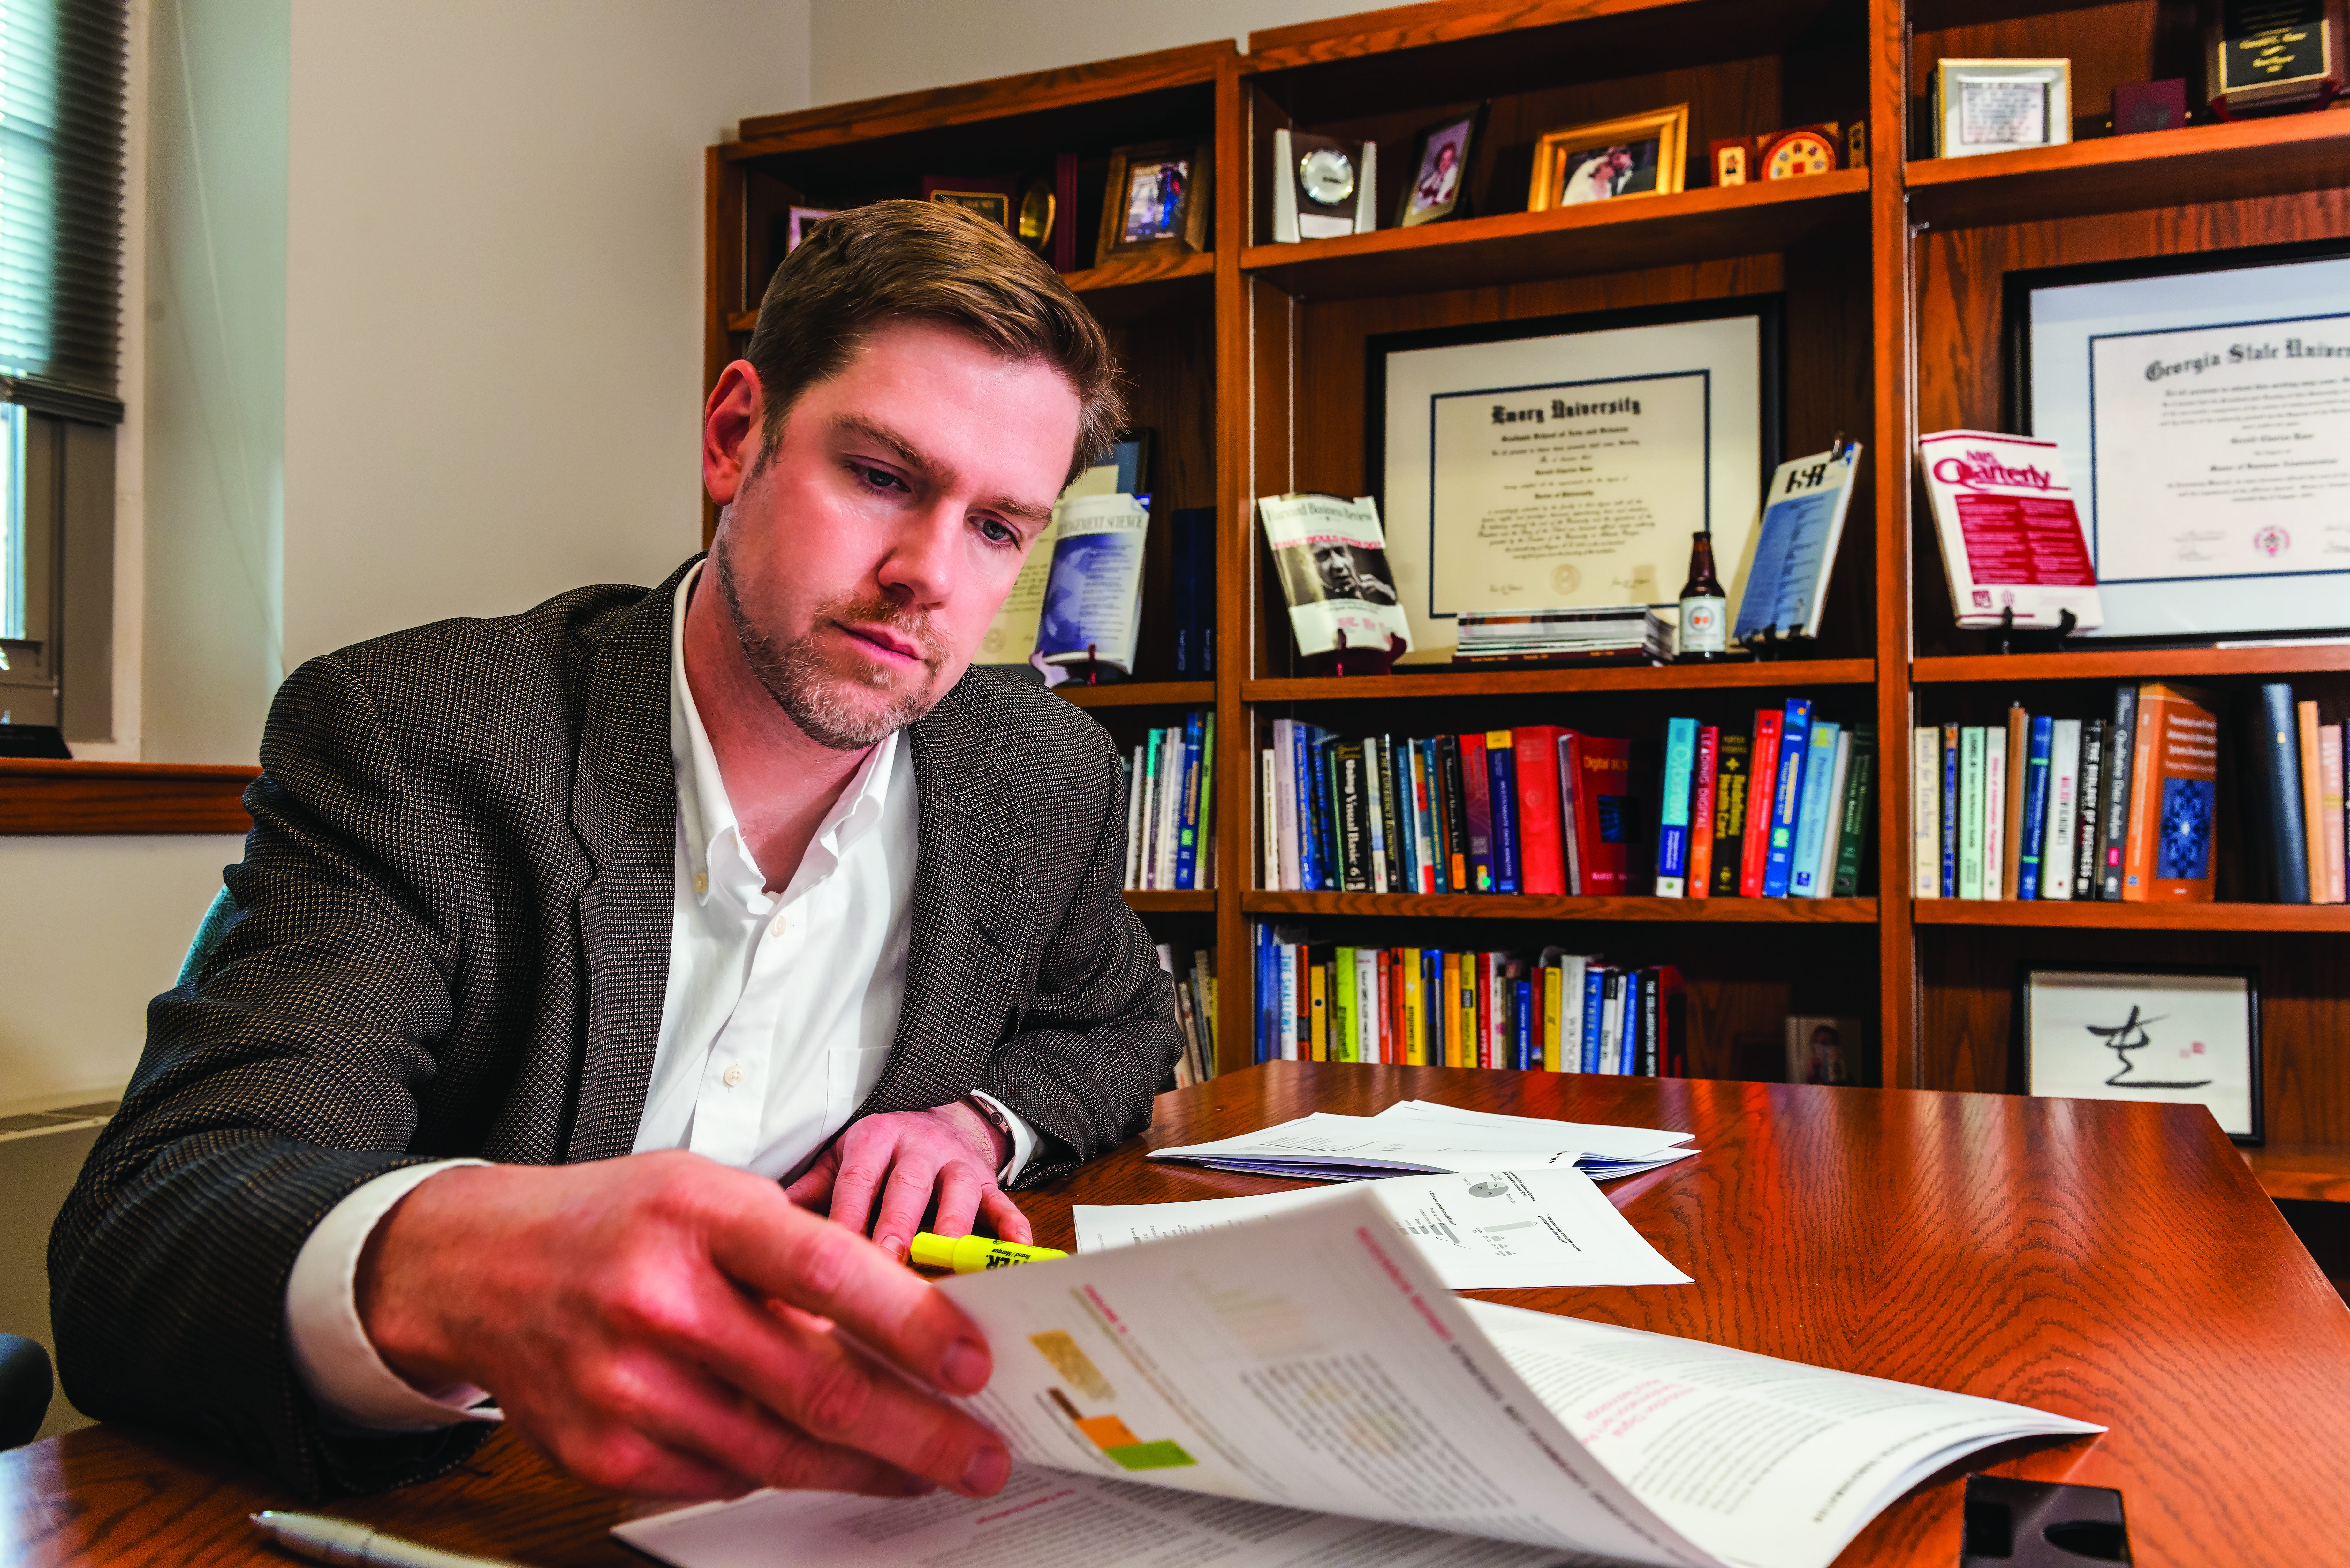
451,937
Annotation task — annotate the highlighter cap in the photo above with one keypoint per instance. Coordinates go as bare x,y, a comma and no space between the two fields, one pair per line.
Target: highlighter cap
932,1251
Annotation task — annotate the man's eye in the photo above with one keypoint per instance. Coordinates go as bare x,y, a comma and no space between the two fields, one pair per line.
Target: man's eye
996,533
878,478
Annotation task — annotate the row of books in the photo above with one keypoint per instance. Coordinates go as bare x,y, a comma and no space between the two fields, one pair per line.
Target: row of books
2121,808
1195,1012
2297,821
1320,1001
1543,809
1171,787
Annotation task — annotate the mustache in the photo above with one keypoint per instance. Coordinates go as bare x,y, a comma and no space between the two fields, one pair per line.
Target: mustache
860,614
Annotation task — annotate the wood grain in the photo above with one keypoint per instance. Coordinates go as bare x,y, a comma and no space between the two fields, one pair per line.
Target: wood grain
2317,1173
1794,673
2088,662
1171,900
2083,1257
122,797
1521,906
1140,694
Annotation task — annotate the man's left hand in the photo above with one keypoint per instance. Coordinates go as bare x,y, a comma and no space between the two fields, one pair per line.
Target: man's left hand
904,1159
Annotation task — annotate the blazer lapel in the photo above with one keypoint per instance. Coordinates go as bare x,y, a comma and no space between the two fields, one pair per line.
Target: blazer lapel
968,950
624,810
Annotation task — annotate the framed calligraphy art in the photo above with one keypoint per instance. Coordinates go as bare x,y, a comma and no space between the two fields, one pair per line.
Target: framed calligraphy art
2172,1035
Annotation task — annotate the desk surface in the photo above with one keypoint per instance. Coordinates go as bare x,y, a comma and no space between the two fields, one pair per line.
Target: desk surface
2109,1262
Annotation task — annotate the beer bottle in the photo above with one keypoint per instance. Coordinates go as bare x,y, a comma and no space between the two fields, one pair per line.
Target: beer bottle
1705,608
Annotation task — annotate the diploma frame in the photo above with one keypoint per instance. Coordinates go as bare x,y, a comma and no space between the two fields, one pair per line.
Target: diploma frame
1951,79
2188,608
1555,152
1767,310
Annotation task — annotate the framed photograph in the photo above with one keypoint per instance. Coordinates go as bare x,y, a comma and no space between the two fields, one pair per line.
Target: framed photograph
2000,105
2174,1036
1667,419
1637,155
1825,1050
797,222
2197,403
997,201
1437,184
1157,202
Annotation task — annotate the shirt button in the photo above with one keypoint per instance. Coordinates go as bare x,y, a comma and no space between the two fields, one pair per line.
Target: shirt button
732,1077
701,883
780,924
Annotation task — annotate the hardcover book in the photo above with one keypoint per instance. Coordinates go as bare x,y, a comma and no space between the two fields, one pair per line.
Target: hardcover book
1542,844
1501,779
2281,863
1477,795
1788,797
2035,807
1949,811
1733,777
2173,823
1673,813
1701,799
1995,857
1973,804
1761,801
1853,847
1602,771
1813,810
2019,762
1926,811
2113,827
2064,779
2088,801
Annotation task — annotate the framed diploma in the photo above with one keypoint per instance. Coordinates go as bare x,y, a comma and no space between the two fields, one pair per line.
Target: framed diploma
1563,464
2202,406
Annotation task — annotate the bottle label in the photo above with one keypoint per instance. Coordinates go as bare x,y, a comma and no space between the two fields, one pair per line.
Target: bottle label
1705,626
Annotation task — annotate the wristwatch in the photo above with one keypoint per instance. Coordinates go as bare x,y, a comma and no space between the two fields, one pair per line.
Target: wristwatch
995,1118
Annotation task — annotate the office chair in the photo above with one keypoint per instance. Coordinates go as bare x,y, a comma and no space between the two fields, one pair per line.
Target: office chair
25,1389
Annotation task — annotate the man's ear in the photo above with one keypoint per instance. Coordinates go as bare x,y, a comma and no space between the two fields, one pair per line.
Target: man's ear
731,433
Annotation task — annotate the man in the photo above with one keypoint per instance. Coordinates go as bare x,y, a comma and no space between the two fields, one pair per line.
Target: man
561,941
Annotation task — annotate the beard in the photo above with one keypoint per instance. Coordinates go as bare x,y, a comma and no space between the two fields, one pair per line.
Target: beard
832,706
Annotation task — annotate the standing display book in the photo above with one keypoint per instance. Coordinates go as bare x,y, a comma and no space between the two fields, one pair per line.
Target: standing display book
2011,534
1092,599
1783,582
1332,562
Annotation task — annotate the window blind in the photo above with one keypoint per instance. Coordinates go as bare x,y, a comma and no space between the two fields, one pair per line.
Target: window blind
61,133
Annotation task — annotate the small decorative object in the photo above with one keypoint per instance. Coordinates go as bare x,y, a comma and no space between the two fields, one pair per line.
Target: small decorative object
2268,55
993,199
1704,631
1323,188
799,221
1333,564
1731,160
2000,105
1824,1050
1855,144
2142,107
2011,534
1157,202
1805,149
1637,155
2174,1036
1039,210
1439,188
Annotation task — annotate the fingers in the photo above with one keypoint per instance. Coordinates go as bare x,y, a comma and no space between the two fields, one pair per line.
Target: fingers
903,1201
812,1190
959,1197
823,1268
863,1162
1011,1224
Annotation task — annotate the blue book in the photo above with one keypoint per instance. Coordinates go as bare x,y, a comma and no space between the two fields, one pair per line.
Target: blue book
1673,814
1802,520
1628,1058
1786,809
1187,830
1522,1051
1268,993
1432,766
1812,821
1951,748
1325,815
1502,784
1301,763
1594,994
2035,807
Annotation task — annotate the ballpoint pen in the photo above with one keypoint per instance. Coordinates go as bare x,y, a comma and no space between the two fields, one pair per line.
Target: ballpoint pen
345,1541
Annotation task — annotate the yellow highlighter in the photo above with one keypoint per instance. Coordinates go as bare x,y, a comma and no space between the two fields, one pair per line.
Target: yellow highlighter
969,1254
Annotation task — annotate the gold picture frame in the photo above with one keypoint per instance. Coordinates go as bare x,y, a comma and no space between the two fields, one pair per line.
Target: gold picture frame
1652,151
1156,221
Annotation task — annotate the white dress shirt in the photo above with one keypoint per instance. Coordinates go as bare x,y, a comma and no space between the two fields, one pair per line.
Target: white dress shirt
776,1022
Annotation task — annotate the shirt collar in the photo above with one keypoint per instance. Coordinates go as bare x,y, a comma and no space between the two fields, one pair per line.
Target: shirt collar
705,816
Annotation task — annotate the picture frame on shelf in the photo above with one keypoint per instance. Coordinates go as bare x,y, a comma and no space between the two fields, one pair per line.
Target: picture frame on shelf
2000,105
797,220
1456,412
2273,58
1157,200
1436,185
996,198
2102,360
2168,1035
1609,160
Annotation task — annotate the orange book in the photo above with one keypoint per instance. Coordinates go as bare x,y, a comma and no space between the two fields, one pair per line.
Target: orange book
1453,1010
1705,781
2018,758
2174,776
2312,803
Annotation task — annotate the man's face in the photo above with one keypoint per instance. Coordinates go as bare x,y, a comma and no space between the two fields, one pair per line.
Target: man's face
862,558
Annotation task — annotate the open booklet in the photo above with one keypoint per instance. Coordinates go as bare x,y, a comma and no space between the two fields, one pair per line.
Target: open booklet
1314,1362
1416,1137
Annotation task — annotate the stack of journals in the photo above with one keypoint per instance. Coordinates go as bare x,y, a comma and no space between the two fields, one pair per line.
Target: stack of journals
2070,808
1625,634
1195,1014
1322,1002
1415,1136
1543,809
1170,783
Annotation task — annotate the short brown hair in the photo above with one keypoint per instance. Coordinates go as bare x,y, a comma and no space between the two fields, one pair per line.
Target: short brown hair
926,260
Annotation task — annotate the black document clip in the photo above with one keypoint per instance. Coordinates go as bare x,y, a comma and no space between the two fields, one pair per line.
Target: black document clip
2041,1524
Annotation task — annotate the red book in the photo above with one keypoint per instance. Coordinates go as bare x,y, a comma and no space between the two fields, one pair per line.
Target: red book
1484,1010
1477,798
1603,774
1386,1006
1542,853
1761,797
1709,768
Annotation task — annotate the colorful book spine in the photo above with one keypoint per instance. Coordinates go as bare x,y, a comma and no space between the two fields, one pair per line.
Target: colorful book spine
1926,811
2330,787
1995,813
1787,802
1477,798
1502,795
1541,824
1949,811
2019,757
2088,803
1832,837
1187,845
1813,810
1594,1007
1553,1014
1973,805
1432,875
1455,826
2276,803
1852,847
1375,830
1701,798
1302,791
1762,802
2121,748
2035,807
2313,801
1733,777
1525,1050
1673,815
2063,782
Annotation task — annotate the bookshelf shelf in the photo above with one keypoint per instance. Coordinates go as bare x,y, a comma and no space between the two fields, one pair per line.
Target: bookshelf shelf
2131,664
1171,900
1793,674
2276,157
1602,237
2100,915
1142,694
1498,907
2313,1172
1140,270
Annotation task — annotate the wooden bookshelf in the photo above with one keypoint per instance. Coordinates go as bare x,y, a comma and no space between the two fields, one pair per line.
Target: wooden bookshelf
78,797
1893,271
1171,900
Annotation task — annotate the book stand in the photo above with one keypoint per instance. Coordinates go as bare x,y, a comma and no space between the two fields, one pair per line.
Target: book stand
1363,661
1768,646
2033,641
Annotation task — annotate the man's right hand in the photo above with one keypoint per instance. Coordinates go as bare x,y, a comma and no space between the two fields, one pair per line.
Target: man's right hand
667,1325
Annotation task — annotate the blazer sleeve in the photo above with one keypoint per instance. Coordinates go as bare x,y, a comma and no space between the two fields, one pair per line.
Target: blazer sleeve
279,1077
1099,1037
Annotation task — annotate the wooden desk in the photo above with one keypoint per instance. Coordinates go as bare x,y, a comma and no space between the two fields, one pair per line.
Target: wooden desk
2113,1263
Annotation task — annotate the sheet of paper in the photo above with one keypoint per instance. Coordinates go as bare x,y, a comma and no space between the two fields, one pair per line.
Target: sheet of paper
1592,1138
1517,1230
1048,1519
1418,1137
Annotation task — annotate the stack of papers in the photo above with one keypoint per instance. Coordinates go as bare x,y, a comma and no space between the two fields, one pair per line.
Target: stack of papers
1628,634
1219,1398
1415,1138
